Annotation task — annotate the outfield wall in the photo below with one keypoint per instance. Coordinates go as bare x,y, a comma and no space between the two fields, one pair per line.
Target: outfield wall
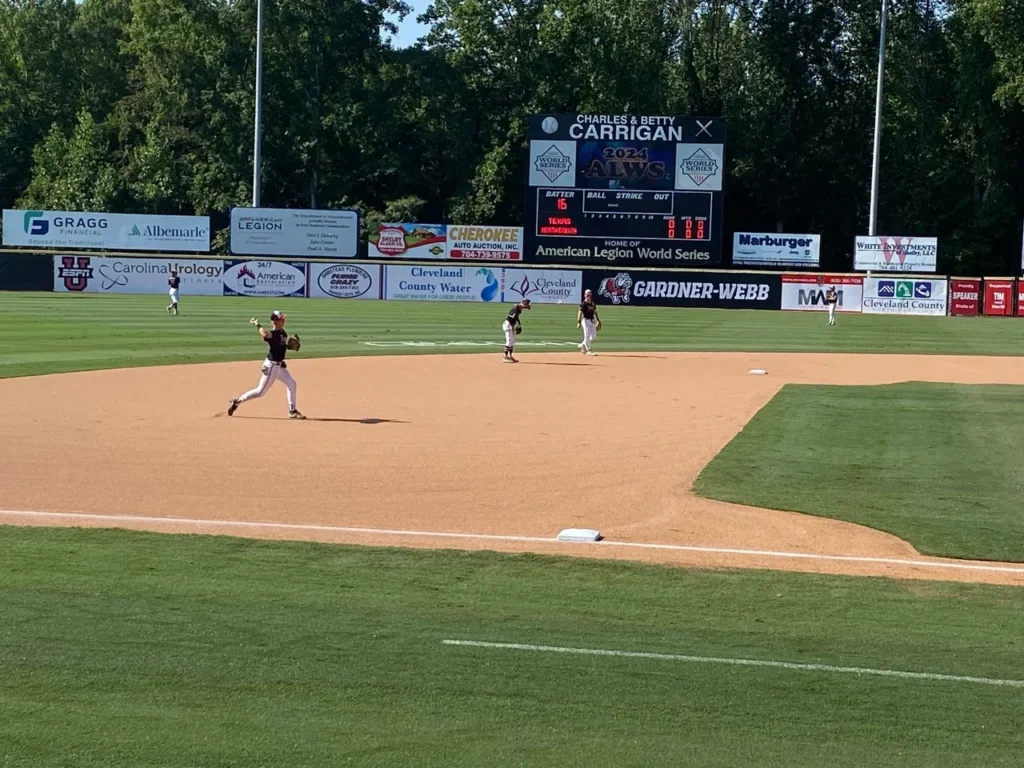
453,282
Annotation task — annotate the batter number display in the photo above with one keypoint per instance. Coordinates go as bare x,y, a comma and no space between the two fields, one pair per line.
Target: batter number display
682,216
624,190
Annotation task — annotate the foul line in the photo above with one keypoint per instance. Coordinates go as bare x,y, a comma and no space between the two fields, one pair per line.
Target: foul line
741,662
298,527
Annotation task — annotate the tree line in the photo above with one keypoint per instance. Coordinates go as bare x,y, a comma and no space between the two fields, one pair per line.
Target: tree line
147,106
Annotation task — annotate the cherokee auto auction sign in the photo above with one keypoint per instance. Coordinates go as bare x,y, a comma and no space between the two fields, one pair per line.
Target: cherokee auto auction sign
713,290
629,190
110,231
889,253
485,243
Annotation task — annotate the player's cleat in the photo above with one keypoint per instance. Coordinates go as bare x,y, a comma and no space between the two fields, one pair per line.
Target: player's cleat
295,415
592,354
232,407
169,310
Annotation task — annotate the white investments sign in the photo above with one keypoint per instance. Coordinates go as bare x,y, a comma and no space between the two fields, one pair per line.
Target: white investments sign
111,231
295,232
889,253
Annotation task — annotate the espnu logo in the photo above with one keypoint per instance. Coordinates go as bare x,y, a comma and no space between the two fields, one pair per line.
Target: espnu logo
75,272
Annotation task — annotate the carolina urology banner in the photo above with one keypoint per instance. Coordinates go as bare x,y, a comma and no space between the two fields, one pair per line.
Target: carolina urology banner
441,283
409,241
768,249
904,296
295,232
542,286
103,274
802,292
895,253
111,231
264,278
344,281
485,243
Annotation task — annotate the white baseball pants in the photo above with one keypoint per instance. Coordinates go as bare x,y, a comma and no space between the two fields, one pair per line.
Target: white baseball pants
173,293
831,313
510,334
273,372
589,333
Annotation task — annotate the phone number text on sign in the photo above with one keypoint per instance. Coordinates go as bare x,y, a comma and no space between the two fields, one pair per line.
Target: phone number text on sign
485,243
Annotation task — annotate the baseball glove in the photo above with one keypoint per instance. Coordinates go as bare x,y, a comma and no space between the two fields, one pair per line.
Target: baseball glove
294,342
518,329
598,326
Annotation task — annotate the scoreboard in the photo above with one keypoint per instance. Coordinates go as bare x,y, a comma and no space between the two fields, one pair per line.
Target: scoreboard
624,190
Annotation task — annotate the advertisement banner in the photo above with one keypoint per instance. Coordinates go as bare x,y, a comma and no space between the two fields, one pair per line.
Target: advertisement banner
485,243
717,290
964,297
542,286
409,241
802,292
112,231
772,250
999,297
888,253
891,296
344,281
441,283
264,278
102,274
295,232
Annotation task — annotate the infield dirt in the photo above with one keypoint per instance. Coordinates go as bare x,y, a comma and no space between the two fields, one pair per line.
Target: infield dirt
458,444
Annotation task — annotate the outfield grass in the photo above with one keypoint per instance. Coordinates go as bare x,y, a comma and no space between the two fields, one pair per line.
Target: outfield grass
139,650
938,465
51,333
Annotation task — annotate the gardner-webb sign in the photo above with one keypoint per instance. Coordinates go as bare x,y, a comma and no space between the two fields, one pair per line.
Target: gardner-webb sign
715,290
109,231
896,253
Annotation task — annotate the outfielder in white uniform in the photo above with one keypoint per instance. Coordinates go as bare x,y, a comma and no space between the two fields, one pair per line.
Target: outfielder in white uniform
174,282
832,299
274,367
588,320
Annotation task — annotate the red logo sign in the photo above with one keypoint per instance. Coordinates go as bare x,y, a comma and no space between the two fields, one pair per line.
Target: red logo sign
75,272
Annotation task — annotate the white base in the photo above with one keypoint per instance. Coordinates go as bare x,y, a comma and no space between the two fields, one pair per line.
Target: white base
579,534
758,371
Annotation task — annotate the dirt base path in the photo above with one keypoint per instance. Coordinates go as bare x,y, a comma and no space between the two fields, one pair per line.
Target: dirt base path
411,447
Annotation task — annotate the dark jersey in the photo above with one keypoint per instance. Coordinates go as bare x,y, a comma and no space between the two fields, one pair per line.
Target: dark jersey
588,309
174,281
513,314
278,343
831,297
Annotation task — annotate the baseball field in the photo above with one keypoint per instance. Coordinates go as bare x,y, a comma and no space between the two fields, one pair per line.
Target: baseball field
819,565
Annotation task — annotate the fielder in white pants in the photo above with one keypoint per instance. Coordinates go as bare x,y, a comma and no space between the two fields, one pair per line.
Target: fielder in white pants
274,367
173,281
832,299
587,319
512,321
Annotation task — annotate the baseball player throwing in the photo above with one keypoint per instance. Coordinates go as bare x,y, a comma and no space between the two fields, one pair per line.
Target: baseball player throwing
274,367
513,327
174,282
588,320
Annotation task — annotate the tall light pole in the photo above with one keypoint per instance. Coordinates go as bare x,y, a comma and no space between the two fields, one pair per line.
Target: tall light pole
259,106
873,216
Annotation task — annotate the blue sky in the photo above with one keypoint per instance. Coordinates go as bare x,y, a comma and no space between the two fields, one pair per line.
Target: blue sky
409,31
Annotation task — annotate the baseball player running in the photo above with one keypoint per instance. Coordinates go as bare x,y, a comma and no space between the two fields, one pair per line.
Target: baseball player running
513,327
174,282
588,320
832,299
274,367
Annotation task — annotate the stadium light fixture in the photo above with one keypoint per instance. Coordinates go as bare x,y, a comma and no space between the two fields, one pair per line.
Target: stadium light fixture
259,107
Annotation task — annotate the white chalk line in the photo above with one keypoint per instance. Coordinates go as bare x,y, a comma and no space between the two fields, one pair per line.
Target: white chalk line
934,676
309,527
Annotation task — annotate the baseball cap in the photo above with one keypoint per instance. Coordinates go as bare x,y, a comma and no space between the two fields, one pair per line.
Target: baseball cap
277,315
526,303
